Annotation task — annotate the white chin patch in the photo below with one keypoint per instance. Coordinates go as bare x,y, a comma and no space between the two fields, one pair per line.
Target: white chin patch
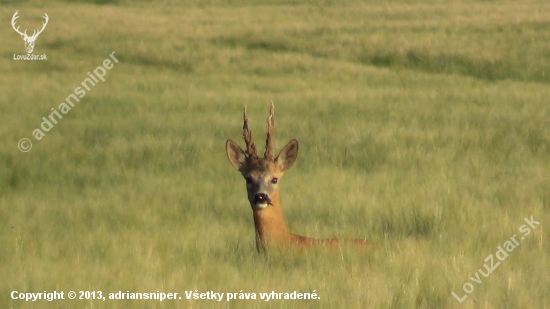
260,205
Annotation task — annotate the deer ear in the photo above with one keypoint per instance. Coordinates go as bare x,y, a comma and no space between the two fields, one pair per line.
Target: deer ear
287,156
235,154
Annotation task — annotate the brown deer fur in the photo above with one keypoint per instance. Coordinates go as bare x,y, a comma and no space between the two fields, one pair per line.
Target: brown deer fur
262,176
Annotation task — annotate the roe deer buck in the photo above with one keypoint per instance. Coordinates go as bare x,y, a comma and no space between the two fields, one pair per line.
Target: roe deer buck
262,176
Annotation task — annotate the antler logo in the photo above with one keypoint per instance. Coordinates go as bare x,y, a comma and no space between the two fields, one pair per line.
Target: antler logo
29,40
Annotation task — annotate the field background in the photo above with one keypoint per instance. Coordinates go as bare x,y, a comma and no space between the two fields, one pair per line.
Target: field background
423,126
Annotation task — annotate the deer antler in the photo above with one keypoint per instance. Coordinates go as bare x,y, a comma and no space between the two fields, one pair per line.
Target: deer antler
15,16
34,33
29,40
269,140
43,26
250,147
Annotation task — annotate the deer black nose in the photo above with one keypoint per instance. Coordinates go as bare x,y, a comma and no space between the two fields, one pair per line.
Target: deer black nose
261,198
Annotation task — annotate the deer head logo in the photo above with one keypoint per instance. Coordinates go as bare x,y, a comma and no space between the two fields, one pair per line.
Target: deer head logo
29,40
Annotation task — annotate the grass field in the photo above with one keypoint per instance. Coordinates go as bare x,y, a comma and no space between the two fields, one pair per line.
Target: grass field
423,126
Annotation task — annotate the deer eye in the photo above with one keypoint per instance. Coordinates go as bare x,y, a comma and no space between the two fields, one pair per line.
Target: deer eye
274,180
248,180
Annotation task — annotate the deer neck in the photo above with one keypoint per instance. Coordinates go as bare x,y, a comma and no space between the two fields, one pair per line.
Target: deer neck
270,223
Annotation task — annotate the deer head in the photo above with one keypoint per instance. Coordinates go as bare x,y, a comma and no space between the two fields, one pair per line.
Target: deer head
29,40
262,175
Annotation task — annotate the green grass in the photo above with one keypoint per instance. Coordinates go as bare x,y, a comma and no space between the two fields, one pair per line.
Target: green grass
423,126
